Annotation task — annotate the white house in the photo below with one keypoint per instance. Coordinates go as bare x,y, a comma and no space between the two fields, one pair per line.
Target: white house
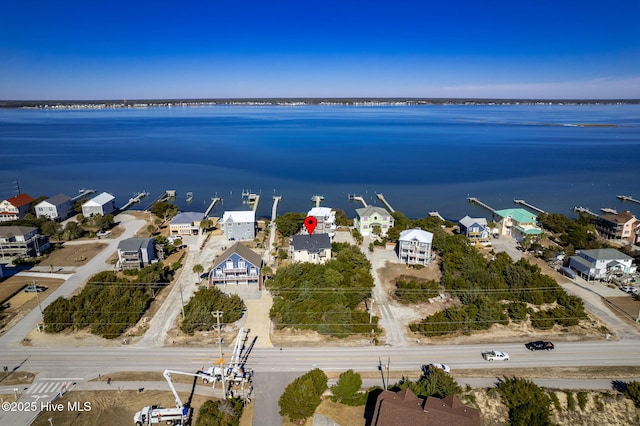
314,248
414,246
239,225
15,207
102,204
601,263
326,221
59,207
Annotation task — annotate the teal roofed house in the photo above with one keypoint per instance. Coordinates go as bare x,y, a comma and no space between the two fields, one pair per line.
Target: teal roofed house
517,223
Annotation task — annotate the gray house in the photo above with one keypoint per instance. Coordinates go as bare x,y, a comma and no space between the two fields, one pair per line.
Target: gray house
59,207
136,253
314,248
239,225
21,241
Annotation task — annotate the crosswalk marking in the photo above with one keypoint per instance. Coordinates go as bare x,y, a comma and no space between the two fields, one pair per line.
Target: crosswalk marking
45,387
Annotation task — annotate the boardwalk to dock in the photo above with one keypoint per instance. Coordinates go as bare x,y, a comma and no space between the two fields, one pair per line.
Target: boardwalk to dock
529,206
387,205
135,200
475,200
213,203
628,198
357,198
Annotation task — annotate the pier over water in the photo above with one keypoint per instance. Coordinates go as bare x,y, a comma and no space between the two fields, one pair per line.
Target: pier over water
213,203
387,205
474,200
357,198
529,206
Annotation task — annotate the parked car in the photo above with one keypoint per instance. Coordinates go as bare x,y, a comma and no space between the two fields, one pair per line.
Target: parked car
539,345
628,289
34,289
443,367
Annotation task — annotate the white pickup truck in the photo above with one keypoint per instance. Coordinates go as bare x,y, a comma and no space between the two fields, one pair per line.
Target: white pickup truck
495,355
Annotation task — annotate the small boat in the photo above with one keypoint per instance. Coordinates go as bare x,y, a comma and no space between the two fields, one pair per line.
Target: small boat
189,196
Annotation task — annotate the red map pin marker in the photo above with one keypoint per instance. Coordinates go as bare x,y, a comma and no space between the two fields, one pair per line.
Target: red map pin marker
310,223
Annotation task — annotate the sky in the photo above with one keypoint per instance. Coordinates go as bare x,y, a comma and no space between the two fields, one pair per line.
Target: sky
139,49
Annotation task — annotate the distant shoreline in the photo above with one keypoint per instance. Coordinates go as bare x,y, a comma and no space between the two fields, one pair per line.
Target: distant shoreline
147,103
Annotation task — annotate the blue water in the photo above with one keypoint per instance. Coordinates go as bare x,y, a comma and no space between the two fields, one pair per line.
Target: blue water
423,158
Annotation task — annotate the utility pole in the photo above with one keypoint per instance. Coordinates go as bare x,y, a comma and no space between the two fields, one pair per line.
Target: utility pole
218,315
384,386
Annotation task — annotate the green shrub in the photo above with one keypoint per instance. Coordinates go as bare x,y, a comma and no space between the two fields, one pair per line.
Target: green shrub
527,403
632,391
556,401
206,300
582,400
301,397
571,402
223,412
347,390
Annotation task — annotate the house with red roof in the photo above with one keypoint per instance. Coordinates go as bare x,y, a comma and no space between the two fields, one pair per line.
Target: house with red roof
15,207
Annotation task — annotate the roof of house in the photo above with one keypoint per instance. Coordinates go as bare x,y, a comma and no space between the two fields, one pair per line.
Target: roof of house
605,254
100,199
370,210
470,221
416,234
622,217
20,200
12,231
405,408
242,216
187,217
319,211
519,215
56,200
242,251
134,244
312,243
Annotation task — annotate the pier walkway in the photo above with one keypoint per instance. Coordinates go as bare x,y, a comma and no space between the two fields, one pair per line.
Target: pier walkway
381,198
357,198
135,200
628,198
474,200
529,206
585,210
317,199
163,197
255,202
82,193
213,203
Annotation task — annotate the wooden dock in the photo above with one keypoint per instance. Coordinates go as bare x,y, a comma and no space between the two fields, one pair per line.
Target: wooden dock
83,192
213,203
169,193
135,200
475,200
254,202
381,198
357,198
584,210
628,198
436,214
529,206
